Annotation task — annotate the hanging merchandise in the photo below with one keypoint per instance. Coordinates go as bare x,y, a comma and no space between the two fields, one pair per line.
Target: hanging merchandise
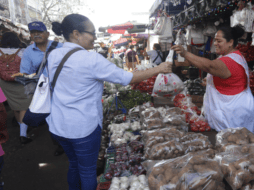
164,28
210,30
210,4
194,36
180,39
244,17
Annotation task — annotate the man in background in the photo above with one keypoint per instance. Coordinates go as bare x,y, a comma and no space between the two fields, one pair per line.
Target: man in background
103,50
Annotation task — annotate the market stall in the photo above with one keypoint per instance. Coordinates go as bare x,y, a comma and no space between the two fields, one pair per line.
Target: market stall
164,142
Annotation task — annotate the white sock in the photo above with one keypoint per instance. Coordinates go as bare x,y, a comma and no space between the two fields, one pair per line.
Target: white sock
23,129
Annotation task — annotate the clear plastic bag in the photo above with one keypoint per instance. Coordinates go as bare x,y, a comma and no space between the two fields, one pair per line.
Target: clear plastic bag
151,113
237,168
166,150
241,149
195,141
142,108
167,85
249,186
192,171
234,136
150,124
174,120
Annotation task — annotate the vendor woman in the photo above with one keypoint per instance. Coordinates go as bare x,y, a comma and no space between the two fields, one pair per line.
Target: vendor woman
228,102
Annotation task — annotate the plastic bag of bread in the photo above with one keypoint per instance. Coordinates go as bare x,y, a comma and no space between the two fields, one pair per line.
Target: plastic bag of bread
237,168
173,111
167,85
166,150
249,186
183,127
150,124
234,136
195,141
243,149
174,120
154,137
192,171
142,108
165,132
151,113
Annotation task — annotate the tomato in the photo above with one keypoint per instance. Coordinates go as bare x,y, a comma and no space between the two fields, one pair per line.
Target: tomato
185,107
208,128
202,129
194,128
199,112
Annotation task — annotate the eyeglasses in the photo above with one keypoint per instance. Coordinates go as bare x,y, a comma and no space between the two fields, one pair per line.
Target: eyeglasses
92,33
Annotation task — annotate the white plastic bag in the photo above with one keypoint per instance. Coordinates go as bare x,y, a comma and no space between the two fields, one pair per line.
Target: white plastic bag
167,85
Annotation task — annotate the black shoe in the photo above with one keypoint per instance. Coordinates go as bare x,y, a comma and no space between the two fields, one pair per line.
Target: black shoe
59,151
25,140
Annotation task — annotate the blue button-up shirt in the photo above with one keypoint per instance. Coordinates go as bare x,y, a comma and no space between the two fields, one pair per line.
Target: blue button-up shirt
32,58
76,102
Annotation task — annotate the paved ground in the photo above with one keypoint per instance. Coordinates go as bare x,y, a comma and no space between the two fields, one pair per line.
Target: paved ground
22,170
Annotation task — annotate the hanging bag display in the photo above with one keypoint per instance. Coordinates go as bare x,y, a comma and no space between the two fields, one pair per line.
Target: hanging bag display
164,28
40,106
31,81
9,65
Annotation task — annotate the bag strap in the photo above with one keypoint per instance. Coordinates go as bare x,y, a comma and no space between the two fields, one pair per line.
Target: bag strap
157,56
8,59
60,66
44,60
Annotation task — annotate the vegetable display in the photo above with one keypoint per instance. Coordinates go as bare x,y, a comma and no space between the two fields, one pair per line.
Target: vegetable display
145,86
133,182
192,171
237,168
133,98
247,51
234,136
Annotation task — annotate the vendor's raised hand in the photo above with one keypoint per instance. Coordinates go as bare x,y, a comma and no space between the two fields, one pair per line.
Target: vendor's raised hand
165,67
179,49
17,75
203,82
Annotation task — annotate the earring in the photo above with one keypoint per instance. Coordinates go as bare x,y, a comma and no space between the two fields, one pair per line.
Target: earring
78,39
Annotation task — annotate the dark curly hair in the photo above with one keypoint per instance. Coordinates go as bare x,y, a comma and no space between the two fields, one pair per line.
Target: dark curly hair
70,22
10,40
232,33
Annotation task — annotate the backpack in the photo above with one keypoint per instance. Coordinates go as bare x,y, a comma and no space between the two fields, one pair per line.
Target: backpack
9,65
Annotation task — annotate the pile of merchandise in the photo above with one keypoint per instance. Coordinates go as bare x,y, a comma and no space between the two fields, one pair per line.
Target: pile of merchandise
145,86
151,148
194,87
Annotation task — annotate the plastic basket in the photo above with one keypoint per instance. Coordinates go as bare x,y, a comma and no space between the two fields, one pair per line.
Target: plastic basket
103,186
111,150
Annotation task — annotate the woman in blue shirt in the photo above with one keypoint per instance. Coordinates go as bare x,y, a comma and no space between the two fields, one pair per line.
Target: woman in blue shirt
76,113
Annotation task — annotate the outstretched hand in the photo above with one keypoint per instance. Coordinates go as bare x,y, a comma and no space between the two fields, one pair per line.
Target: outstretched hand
179,49
165,67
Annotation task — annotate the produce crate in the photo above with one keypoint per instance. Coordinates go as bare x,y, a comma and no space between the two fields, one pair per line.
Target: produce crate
103,186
